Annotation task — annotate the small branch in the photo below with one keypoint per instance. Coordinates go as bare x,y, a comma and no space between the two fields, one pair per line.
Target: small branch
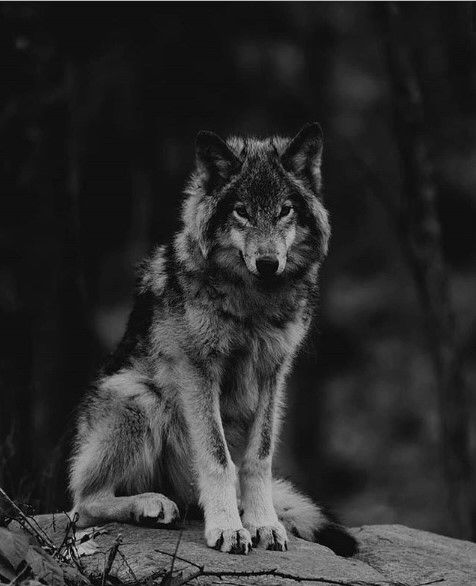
10,509
111,556
274,572
168,577
128,566
71,549
285,576
178,557
69,536
175,552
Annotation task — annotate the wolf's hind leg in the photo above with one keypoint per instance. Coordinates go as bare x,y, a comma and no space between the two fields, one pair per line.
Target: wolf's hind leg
148,506
118,446
302,517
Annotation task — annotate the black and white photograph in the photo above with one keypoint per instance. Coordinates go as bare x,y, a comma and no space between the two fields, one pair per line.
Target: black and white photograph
237,293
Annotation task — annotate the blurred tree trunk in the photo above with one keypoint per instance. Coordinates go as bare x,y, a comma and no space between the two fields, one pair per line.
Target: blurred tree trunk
47,340
308,397
54,291
420,233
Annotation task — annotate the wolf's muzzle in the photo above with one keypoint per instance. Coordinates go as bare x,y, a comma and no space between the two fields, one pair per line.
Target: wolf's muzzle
267,266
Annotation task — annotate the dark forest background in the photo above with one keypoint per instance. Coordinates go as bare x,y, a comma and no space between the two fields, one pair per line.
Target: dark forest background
99,107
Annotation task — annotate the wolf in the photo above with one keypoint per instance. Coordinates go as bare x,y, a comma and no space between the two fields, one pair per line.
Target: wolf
187,409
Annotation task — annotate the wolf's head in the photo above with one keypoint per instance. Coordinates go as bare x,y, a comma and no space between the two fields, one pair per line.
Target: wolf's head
254,208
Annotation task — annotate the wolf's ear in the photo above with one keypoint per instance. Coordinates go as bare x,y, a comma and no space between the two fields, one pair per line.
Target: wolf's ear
303,155
214,157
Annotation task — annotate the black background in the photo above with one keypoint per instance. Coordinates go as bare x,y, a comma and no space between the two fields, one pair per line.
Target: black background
99,107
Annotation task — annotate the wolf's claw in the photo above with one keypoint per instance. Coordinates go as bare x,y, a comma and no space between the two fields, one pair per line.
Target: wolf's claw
229,540
272,537
151,506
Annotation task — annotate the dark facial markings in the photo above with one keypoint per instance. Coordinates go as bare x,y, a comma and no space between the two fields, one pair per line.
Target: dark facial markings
304,216
262,188
241,211
285,210
244,204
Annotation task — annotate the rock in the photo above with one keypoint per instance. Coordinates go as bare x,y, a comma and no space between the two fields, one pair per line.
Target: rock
389,554
411,556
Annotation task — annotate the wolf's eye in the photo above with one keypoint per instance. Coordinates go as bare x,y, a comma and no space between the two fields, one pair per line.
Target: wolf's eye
286,210
241,212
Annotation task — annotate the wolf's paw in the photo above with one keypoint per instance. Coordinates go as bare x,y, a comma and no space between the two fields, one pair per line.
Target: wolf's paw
337,538
152,507
272,537
229,540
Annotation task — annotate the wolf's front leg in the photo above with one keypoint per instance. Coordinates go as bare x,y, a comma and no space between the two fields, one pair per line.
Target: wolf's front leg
259,515
215,469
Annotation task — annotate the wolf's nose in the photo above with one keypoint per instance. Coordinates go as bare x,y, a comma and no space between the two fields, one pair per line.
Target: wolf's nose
267,266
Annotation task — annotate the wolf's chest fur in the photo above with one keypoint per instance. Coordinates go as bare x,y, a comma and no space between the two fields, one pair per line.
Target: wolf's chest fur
216,321
238,337
245,335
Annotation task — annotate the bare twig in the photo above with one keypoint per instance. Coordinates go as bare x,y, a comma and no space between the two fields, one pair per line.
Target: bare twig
168,576
128,566
111,556
178,557
295,578
71,554
177,545
201,573
273,572
9,508
68,538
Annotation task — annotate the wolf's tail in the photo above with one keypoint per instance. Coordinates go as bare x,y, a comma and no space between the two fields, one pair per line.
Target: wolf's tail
302,517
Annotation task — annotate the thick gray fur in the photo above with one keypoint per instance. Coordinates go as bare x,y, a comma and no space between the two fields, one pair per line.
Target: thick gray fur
187,410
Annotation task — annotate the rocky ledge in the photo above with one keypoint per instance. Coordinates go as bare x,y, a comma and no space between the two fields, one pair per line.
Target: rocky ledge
388,554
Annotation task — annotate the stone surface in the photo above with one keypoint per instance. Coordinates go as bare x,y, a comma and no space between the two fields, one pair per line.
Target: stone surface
411,556
389,554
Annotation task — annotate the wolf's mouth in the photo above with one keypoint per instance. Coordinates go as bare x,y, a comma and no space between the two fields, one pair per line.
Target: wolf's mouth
267,275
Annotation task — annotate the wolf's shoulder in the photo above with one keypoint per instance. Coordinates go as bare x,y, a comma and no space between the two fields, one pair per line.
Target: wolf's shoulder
152,293
153,272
